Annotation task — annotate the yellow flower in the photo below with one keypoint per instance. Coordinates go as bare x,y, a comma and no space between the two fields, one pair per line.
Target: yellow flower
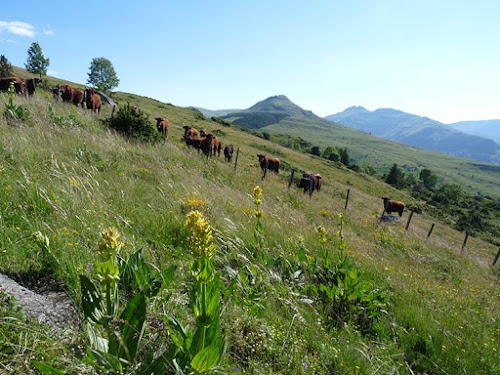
109,244
201,240
258,213
257,195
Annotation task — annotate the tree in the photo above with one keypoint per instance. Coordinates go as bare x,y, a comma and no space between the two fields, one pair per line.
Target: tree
344,156
36,62
315,151
5,67
429,178
396,177
102,74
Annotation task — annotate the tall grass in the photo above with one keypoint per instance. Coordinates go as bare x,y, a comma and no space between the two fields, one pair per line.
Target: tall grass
71,177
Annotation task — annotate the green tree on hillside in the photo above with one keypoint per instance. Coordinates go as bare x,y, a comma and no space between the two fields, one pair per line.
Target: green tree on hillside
315,151
429,178
5,67
102,74
36,62
344,156
395,177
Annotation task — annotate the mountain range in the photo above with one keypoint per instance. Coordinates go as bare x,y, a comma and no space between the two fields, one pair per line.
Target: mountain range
418,131
475,142
486,128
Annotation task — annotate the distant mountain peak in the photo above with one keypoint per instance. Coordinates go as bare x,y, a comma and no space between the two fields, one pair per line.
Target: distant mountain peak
356,108
269,111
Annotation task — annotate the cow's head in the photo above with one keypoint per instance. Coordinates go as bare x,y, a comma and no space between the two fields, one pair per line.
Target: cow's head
203,133
261,157
385,199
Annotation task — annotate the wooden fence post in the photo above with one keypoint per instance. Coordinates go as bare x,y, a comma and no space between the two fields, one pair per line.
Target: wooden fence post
291,179
311,187
465,240
430,232
496,258
265,169
347,199
236,161
409,220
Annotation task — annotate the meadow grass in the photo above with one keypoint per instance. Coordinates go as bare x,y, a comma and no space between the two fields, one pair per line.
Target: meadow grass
69,177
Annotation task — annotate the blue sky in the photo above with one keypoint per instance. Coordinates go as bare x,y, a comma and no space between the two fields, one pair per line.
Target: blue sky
439,59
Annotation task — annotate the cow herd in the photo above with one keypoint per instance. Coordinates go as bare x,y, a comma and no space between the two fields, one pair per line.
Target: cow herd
67,93
76,97
201,140
22,86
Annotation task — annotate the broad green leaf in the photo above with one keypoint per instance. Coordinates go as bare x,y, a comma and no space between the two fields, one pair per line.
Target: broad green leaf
47,370
207,359
103,360
132,326
92,303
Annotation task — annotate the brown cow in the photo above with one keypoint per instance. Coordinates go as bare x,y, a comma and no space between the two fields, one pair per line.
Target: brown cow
190,131
93,100
305,182
393,206
206,145
273,164
31,84
162,126
19,84
216,144
72,95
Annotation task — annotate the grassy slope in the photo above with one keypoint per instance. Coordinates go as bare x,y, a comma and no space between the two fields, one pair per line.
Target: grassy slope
70,182
379,153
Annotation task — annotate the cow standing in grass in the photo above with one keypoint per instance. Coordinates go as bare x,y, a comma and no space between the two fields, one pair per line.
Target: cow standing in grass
273,164
393,206
31,85
216,144
72,95
19,84
93,100
228,153
162,126
190,132
305,182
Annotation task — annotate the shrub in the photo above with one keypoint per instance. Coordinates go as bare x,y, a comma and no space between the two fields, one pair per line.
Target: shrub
315,151
132,122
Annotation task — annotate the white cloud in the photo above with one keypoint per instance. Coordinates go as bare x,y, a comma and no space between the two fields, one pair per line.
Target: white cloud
5,40
52,73
18,28
48,30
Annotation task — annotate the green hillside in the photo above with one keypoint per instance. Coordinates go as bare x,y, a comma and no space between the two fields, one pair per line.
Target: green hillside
404,305
418,131
368,150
